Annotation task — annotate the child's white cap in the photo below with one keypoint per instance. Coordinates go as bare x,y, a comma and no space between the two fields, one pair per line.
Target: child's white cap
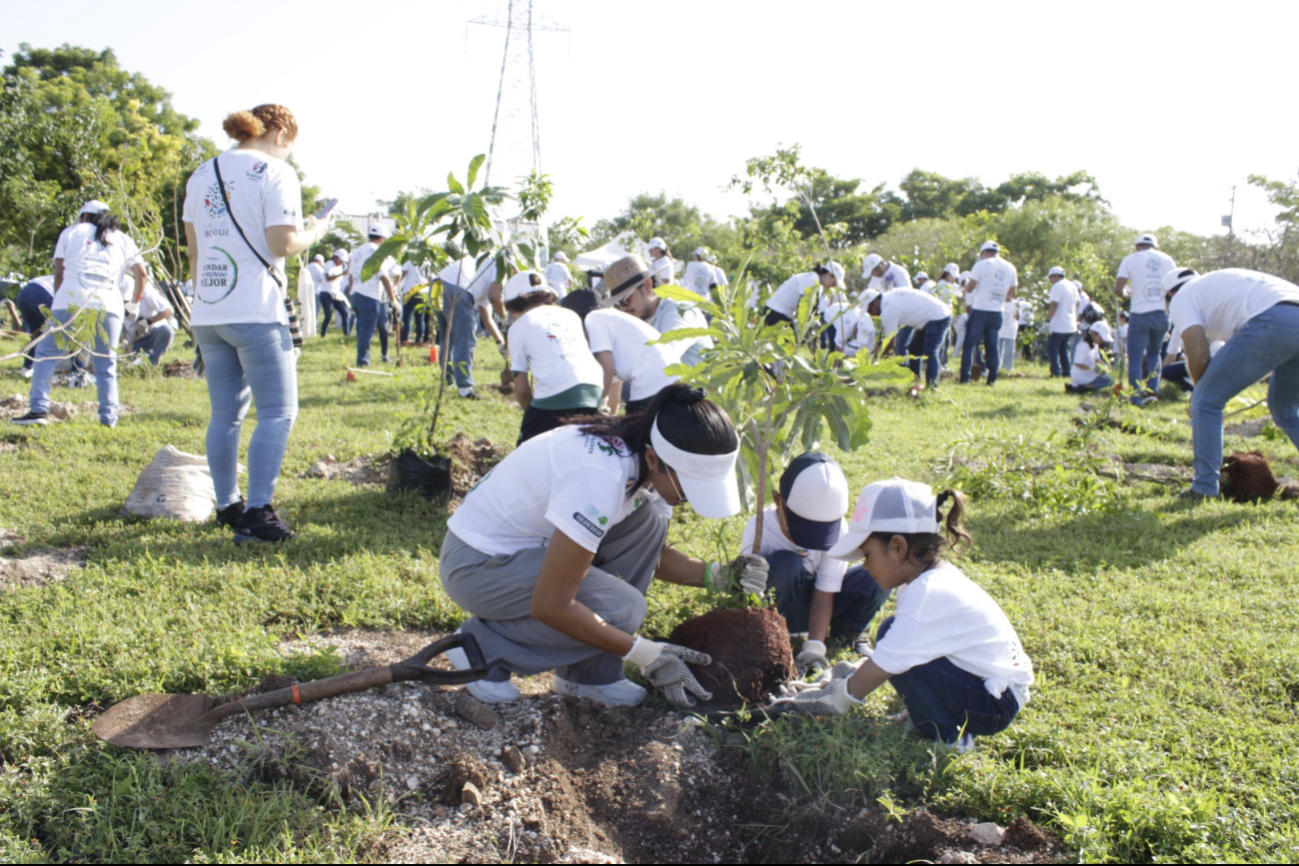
521,284
896,505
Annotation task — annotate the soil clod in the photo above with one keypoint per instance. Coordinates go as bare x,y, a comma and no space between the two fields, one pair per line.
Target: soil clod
1247,477
476,712
750,649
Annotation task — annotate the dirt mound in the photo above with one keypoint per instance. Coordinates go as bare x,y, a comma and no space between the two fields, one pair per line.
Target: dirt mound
40,568
13,407
1247,477
750,649
921,836
366,469
470,461
179,370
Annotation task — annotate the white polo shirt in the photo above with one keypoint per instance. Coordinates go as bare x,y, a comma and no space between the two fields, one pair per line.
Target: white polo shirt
625,338
995,278
1144,271
1064,294
372,288
92,271
1222,301
910,308
895,277
789,294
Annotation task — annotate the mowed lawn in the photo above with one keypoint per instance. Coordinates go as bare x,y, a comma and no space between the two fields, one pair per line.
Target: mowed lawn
1162,725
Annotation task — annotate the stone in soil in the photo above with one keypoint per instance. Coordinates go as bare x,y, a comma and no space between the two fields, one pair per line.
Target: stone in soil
750,649
987,834
475,711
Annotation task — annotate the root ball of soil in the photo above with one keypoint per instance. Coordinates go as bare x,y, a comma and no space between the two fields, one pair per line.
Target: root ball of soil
1247,477
750,650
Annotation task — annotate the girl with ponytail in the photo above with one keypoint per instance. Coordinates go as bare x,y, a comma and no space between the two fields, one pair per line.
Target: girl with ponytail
949,651
552,553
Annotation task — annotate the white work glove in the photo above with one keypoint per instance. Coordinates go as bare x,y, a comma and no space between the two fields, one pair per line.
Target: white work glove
752,570
664,665
503,349
830,698
841,671
142,328
811,658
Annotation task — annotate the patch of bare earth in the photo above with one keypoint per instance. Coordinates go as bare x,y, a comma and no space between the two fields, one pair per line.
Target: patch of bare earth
557,780
15,406
367,469
39,568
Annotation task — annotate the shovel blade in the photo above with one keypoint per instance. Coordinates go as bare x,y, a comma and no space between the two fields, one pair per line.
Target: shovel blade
157,722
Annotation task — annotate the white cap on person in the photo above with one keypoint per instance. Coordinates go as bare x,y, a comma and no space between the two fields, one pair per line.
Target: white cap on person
93,207
896,505
701,253
1175,278
707,480
561,257
521,284
1055,272
1147,240
953,269
657,244
990,246
837,271
873,261
921,277
815,493
318,257
868,297
341,254
377,231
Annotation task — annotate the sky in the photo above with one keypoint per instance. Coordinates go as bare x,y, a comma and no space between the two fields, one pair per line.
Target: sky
1167,107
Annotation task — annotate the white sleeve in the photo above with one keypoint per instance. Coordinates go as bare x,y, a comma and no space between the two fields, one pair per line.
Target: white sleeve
584,503
61,245
130,252
888,315
909,643
1183,312
830,574
518,351
282,199
189,211
1125,269
600,333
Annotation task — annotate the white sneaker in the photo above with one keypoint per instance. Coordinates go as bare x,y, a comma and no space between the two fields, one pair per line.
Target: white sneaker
623,693
964,745
26,373
485,691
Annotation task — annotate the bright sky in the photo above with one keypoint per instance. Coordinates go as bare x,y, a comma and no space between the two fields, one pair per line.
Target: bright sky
1168,107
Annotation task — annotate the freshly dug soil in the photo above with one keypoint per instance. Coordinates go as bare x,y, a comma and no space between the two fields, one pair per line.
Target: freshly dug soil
179,370
39,569
1247,477
750,649
368,469
470,461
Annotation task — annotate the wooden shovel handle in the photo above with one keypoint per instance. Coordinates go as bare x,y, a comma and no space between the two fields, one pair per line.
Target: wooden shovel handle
305,693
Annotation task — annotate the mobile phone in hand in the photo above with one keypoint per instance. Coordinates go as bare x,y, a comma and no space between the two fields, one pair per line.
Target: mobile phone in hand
324,211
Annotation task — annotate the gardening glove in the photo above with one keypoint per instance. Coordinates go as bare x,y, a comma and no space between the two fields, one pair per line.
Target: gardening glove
811,658
142,329
664,665
752,571
841,671
828,699
503,349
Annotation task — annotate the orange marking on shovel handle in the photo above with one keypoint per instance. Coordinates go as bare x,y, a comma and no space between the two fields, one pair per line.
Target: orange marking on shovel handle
297,695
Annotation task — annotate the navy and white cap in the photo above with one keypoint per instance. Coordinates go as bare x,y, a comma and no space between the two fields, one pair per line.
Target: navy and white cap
1055,272
1147,240
816,498
990,246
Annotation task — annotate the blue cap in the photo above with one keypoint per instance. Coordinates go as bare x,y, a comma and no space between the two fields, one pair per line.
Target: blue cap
815,492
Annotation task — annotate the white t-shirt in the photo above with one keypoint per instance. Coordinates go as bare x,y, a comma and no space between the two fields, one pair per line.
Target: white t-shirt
1222,301
1144,271
945,291
481,282
152,302
699,278
564,479
854,331
626,337
548,342
789,294
1065,296
910,308
411,277
944,614
558,278
662,269
1009,321
317,274
92,271
672,315
928,287
719,276
232,285
335,286
1084,354
958,326
829,572
995,277
895,277
372,288
458,274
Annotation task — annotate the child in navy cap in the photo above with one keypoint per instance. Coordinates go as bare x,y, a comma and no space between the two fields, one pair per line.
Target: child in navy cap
815,593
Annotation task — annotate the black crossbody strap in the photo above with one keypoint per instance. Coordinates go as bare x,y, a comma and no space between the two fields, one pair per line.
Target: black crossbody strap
231,213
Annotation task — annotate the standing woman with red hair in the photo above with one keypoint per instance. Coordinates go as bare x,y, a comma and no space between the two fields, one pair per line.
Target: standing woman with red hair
238,239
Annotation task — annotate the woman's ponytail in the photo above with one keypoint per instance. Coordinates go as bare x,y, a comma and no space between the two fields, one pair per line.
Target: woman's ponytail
958,537
104,223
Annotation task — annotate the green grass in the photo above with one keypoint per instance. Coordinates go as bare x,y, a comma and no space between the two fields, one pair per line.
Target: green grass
1161,728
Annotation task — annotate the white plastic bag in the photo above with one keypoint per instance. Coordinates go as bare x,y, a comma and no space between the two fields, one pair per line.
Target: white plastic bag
175,485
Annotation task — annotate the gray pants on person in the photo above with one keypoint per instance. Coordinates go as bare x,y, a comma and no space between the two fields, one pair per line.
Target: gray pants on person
497,591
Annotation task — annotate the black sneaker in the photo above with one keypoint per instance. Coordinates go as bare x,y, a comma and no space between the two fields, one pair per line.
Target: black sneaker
263,525
33,419
231,515
472,395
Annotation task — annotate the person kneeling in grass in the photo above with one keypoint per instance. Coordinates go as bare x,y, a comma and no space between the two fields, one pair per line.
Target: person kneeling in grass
549,341
815,593
950,651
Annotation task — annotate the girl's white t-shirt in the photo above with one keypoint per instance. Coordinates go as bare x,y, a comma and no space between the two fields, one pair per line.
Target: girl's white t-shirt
626,339
662,269
829,572
699,278
93,272
789,295
1009,321
944,614
232,286
564,479
548,342
1084,354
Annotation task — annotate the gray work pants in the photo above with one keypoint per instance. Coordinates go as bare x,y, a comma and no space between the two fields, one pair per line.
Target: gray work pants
497,591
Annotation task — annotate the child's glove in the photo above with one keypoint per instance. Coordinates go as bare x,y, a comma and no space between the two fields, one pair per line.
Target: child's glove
830,698
752,570
841,671
811,658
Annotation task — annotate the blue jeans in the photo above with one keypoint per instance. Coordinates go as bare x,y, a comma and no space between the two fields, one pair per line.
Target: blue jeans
31,298
1146,333
945,701
371,315
156,343
927,343
1057,352
328,305
458,305
982,328
902,341
1267,343
1177,374
252,359
1100,383
101,332
855,605
415,311
1007,346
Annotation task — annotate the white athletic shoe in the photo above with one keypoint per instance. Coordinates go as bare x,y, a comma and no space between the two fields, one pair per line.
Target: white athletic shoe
623,693
26,373
485,691
964,745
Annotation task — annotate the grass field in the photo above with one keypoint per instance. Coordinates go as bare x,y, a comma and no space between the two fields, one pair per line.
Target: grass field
1162,725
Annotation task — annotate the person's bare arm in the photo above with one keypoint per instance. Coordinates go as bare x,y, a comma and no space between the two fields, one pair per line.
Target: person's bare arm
611,397
818,620
1118,286
970,286
165,314
489,324
1195,344
522,390
1050,314
497,298
1012,292
191,250
554,600
387,286
676,567
137,271
58,271
868,678
291,240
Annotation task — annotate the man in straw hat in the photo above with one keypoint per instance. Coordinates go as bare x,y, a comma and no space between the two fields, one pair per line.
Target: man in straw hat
631,289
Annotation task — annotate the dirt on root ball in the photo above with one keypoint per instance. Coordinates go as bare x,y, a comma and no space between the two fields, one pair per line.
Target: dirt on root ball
470,461
1247,477
750,650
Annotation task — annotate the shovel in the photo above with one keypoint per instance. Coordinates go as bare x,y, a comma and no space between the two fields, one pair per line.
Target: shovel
185,721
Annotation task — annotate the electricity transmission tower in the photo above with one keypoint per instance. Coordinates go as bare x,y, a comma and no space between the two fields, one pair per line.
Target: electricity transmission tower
515,147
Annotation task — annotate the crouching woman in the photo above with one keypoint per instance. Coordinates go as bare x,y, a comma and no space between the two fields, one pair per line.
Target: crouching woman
552,553
949,651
